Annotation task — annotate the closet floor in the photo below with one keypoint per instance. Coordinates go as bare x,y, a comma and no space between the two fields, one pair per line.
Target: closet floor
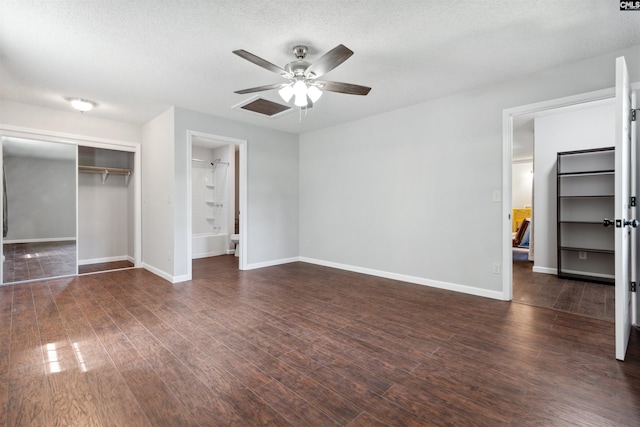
31,261
104,266
593,300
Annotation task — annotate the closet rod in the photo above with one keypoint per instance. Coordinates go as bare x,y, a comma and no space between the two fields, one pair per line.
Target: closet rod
102,169
106,171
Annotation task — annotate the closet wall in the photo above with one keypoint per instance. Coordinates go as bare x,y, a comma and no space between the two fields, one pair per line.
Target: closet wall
47,211
105,208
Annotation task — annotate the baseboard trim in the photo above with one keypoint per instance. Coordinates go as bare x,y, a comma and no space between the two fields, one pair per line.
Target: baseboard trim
208,254
158,272
271,263
545,270
409,279
106,259
45,240
178,279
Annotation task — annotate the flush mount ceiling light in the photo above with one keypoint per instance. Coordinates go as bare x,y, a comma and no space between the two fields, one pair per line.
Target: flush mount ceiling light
303,86
81,105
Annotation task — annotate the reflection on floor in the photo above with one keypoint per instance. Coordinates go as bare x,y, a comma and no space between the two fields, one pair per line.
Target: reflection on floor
104,266
30,261
546,290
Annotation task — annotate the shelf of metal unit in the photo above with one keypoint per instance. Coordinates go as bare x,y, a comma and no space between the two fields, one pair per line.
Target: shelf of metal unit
575,249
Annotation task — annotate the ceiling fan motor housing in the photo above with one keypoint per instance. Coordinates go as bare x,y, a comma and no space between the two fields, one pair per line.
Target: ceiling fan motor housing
300,51
297,68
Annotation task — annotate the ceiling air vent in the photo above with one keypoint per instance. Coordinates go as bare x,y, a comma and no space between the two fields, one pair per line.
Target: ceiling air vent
264,107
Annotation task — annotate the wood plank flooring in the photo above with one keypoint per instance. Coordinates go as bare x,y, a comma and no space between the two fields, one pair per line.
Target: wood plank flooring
38,260
104,266
588,299
299,345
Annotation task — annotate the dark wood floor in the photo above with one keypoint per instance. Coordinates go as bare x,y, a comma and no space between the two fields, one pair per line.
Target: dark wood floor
300,344
104,266
588,299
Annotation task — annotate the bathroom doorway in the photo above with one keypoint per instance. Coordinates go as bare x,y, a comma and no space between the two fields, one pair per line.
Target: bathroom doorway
217,196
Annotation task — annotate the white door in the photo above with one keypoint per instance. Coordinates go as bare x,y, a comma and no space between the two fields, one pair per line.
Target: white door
624,213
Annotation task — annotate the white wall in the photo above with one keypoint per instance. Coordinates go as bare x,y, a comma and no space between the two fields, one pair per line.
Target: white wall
522,182
575,130
408,193
103,216
272,188
19,115
41,198
158,195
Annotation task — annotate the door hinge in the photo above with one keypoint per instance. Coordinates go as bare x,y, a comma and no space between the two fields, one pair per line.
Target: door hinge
632,287
634,114
632,201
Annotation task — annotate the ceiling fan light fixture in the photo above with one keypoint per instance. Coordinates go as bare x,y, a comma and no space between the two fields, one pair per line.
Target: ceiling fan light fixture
286,93
300,89
81,105
314,93
300,100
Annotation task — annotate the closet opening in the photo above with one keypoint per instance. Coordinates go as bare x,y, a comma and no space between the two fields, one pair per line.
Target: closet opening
106,200
69,206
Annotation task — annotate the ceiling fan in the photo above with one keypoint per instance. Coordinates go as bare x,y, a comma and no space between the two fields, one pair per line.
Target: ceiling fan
303,85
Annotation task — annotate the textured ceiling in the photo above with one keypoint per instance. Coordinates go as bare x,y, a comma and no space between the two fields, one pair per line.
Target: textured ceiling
137,58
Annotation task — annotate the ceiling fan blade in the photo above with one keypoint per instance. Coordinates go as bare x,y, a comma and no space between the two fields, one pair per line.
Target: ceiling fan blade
261,88
329,61
260,62
347,88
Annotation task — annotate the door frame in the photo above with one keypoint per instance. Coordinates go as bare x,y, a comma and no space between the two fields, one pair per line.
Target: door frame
507,175
242,195
507,159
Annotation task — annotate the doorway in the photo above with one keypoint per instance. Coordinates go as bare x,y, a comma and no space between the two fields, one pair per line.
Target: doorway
537,138
522,116
216,207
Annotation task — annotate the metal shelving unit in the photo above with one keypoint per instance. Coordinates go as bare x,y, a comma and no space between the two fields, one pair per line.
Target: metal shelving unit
585,192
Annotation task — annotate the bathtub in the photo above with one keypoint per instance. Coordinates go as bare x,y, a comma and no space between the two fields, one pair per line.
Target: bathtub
206,245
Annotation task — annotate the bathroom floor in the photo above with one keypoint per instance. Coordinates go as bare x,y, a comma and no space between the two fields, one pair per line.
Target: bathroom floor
30,261
207,267
593,300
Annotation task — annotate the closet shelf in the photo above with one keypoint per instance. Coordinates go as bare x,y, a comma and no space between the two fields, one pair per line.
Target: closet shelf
106,171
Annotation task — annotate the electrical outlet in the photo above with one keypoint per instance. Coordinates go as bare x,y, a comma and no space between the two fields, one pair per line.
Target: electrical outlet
497,196
582,255
496,268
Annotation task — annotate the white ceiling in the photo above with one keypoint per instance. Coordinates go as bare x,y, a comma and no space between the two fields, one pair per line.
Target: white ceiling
137,58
